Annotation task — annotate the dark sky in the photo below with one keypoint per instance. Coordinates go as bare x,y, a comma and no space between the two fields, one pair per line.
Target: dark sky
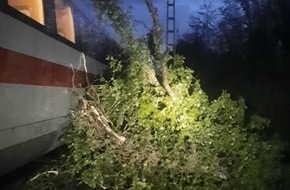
184,9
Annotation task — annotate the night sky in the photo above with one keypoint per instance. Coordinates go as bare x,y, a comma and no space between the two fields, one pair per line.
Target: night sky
184,9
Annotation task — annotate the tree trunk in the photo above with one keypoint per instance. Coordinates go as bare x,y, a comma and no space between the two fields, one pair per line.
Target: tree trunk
157,50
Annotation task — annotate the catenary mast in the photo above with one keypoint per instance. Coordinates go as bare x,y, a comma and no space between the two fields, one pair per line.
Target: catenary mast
170,27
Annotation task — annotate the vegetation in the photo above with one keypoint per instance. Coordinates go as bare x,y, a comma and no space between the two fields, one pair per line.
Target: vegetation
191,144
151,126
244,47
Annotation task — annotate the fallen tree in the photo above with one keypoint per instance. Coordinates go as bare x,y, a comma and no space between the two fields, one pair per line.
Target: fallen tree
136,131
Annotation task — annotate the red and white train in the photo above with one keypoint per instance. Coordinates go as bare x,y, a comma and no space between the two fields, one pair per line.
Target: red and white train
39,46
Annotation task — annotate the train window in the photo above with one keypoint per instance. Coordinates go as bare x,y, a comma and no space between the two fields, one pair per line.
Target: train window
64,20
31,8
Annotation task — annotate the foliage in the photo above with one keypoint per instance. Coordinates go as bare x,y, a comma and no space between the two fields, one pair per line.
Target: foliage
190,143
193,143
251,58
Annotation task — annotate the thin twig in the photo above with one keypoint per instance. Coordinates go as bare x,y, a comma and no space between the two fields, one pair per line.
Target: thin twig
74,73
142,23
83,57
47,172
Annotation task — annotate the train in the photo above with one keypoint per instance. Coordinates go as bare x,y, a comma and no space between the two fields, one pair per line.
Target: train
41,60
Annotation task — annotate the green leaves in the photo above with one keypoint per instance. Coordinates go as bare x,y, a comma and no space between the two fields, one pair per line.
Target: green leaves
258,123
193,143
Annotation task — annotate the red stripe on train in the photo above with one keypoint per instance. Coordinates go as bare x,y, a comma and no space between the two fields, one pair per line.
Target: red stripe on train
18,68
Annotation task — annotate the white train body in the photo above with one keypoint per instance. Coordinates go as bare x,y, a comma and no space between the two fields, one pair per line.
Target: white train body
35,89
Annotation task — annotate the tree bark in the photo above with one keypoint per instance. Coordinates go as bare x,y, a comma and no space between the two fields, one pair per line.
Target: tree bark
158,54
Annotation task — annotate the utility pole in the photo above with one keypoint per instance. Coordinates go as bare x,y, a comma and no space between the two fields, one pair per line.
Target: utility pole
170,27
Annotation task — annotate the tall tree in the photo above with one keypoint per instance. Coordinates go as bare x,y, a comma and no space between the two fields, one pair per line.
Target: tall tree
232,27
204,25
